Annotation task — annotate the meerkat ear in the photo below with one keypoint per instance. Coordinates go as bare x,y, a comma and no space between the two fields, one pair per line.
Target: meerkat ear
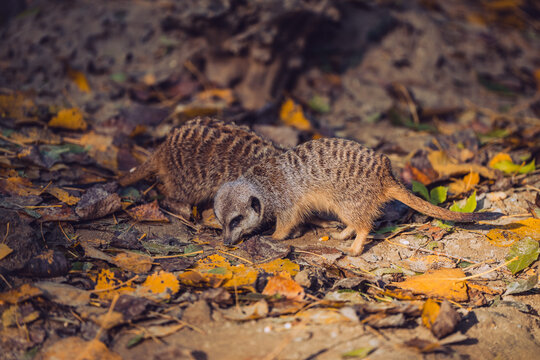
256,204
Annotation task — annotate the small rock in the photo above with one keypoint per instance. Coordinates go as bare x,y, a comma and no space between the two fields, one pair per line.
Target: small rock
98,201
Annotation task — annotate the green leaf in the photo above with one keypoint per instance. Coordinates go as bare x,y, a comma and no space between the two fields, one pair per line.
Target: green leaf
218,271
530,167
464,264
438,195
135,340
527,251
432,245
118,77
469,207
359,353
192,248
506,166
320,104
419,188
130,194
521,286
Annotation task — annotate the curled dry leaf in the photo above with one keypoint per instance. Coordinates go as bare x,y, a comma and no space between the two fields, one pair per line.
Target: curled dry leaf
130,261
71,119
291,114
148,212
446,166
468,182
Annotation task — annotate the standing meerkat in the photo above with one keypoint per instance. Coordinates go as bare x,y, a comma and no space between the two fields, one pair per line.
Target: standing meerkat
200,156
328,175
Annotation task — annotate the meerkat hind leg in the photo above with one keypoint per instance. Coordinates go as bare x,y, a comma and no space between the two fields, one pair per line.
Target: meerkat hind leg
178,207
359,242
285,225
344,234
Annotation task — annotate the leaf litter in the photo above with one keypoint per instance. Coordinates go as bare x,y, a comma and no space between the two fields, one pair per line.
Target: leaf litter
139,274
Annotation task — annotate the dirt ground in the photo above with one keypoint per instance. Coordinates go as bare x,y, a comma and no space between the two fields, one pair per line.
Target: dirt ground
403,78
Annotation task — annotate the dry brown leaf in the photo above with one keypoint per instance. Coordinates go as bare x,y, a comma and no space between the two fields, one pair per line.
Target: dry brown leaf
442,283
20,294
80,80
446,166
19,186
74,348
130,261
100,148
5,251
148,212
463,185
71,119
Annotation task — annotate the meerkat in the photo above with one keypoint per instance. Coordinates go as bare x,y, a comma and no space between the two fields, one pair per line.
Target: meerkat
198,157
334,176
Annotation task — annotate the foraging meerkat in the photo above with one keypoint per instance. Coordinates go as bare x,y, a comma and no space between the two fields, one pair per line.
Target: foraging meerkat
198,157
328,175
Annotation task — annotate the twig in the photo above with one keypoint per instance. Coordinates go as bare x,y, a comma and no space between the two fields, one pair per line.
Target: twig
177,255
184,221
486,272
236,256
149,188
45,188
5,280
165,316
7,233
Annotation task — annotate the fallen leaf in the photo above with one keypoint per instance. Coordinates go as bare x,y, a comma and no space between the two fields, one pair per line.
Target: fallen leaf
279,266
79,79
291,114
283,285
443,283
211,94
16,185
16,315
430,311
131,261
98,201
446,321
159,286
358,353
4,250
508,234
468,207
63,195
74,347
215,271
148,212
446,166
64,294
100,148
503,162
71,119
108,286
527,251
464,185
522,285
20,294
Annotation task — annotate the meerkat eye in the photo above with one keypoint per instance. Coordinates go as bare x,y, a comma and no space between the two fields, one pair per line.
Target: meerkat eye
235,222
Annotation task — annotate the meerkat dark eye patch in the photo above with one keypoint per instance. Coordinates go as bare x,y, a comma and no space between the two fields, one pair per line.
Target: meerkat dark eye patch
256,204
235,222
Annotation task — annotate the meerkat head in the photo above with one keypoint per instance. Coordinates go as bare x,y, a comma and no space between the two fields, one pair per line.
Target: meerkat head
239,209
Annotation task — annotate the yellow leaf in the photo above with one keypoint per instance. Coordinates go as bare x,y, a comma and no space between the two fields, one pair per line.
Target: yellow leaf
161,285
130,261
284,286
19,186
20,294
442,283
279,266
430,311
498,158
463,185
507,235
16,106
71,119
446,166
216,271
63,195
80,80
100,148
106,285
5,251
291,114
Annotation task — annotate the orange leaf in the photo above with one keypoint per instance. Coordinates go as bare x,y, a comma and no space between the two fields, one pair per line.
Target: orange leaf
285,286
161,285
508,234
77,348
80,80
500,157
291,114
71,119
447,166
19,186
430,311
106,285
148,212
443,283
463,185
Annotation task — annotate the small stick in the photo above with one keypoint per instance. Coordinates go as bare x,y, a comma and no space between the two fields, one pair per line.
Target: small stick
7,233
45,188
114,287
236,256
177,255
488,271
433,252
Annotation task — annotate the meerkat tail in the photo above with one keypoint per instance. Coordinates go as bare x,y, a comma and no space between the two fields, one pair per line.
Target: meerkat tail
140,172
401,194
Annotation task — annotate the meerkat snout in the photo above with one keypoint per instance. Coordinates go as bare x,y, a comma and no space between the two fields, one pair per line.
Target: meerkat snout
239,210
